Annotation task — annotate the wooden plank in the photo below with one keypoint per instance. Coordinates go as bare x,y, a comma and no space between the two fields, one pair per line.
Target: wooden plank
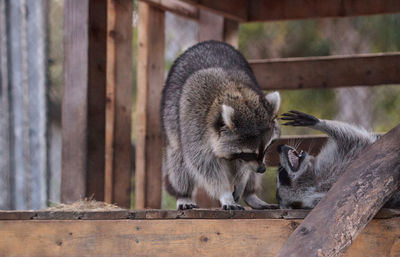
211,26
328,72
150,81
309,143
231,9
231,32
351,203
234,237
156,214
119,101
96,88
4,109
74,104
261,10
176,7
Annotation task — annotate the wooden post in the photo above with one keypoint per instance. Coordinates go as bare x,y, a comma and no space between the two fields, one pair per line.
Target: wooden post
351,203
151,74
5,202
118,168
97,91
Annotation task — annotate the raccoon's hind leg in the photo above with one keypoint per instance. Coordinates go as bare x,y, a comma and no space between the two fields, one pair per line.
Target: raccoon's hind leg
249,195
177,179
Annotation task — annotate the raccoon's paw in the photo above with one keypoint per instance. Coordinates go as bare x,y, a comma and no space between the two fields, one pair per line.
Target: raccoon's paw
186,206
296,118
232,207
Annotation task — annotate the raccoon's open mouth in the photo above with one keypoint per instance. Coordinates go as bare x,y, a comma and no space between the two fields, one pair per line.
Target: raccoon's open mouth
294,158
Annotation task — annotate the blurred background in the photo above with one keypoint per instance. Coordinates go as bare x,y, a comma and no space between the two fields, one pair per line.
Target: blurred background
31,51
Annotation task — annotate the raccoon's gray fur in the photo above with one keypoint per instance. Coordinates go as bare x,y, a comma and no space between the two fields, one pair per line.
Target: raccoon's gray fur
216,125
303,179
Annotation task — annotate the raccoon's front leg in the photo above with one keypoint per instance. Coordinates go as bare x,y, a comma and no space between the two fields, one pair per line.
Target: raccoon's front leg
249,195
342,132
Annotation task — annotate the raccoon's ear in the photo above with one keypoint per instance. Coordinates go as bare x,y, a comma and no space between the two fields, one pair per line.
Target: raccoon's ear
227,115
274,99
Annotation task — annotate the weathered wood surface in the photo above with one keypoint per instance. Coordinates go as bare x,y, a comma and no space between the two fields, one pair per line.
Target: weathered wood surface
74,104
151,37
351,203
176,7
118,170
190,237
328,72
261,10
153,214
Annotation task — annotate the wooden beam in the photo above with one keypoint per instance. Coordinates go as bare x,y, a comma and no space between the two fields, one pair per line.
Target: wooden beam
74,104
150,81
118,170
231,9
211,26
176,7
328,72
351,203
261,10
231,32
200,237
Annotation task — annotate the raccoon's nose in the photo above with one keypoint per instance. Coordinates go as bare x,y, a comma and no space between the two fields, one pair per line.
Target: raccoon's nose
261,169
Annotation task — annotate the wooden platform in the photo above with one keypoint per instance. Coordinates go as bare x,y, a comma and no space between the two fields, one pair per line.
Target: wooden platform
173,233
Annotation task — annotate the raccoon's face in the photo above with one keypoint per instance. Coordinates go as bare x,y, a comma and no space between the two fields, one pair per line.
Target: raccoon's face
243,130
295,179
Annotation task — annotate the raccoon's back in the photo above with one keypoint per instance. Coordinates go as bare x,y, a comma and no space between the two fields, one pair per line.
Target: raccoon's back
205,55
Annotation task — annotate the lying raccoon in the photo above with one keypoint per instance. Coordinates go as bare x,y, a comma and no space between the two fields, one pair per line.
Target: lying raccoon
303,179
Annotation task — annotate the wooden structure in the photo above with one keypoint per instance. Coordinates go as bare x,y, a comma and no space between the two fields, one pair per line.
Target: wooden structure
96,151
174,233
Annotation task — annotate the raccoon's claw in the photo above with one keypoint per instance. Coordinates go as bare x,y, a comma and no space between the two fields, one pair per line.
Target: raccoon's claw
296,118
232,207
186,206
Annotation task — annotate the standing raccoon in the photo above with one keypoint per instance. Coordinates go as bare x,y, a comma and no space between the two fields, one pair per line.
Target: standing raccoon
216,126
303,180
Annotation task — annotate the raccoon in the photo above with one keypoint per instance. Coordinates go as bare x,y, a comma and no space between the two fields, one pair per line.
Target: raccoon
303,180
216,126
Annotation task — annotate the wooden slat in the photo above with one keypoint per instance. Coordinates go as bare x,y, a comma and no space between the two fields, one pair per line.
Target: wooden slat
150,81
119,85
261,10
365,186
5,182
309,143
234,237
232,9
176,7
211,26
231,32
74,104
328,72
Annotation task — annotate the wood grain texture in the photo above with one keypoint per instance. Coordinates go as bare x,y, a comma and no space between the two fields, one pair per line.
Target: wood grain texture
328,72
119,85
231,9
74,104
176,7
261,10
234,237
151,74
351,203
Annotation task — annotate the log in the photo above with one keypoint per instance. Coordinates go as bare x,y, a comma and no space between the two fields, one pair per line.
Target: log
351,203
327,71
